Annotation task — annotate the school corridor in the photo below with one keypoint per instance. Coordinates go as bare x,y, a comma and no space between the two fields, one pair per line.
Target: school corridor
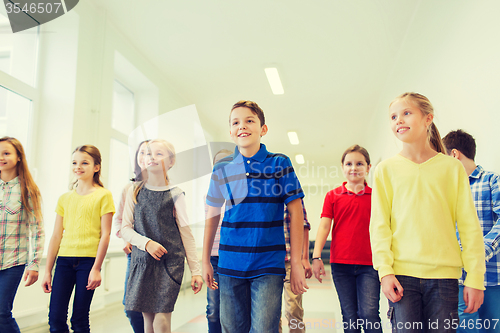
321,305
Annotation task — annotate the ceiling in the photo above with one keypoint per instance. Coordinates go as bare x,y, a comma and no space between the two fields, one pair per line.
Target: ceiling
333,56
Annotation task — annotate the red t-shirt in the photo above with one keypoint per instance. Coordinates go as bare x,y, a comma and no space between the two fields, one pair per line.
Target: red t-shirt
351,220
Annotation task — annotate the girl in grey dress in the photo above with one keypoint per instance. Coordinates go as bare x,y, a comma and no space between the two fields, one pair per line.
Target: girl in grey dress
155,223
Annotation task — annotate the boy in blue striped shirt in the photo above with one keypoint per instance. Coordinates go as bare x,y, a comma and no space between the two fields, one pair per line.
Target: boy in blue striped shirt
485,188
255,185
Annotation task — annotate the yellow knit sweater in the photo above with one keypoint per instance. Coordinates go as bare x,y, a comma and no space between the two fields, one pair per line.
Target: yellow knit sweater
415,211
82,221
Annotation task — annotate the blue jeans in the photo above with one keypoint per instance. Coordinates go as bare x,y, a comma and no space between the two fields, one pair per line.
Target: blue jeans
250,305
358,289
427,305
71,272
9,281
136,319
213,301
486,317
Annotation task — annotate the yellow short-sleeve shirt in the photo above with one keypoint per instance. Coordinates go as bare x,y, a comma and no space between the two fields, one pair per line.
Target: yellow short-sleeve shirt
82,221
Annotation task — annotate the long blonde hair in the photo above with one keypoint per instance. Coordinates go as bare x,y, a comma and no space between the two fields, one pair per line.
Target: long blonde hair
29,189
425,106
171,153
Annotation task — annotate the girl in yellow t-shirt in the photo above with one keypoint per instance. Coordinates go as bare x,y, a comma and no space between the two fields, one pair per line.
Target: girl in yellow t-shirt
80,241
419,198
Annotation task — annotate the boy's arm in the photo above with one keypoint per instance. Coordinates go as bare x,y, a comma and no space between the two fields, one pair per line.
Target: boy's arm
305,254
492,238
211,224
297,279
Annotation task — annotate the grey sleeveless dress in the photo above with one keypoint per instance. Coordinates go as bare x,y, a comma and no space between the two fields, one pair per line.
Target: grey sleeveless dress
153,286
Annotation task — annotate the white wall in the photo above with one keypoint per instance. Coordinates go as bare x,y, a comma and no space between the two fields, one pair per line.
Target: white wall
76,73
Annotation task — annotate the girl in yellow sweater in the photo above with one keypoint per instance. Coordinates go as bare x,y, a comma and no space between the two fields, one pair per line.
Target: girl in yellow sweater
419,198
80,241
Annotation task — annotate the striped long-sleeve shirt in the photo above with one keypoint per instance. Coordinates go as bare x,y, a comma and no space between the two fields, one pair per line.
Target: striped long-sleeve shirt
19,231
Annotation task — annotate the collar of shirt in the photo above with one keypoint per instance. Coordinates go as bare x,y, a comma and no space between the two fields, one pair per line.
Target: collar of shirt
367,190
260,156
10,183
478,171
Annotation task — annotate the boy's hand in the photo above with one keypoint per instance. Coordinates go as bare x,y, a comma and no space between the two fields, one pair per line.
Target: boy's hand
196,283
94,279
31,277
391,288
307,268
318,270
208,276
156,250
47,283
298,280
473,299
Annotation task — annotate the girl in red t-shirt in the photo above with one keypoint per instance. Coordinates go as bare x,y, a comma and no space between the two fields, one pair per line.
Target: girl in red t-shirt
348,206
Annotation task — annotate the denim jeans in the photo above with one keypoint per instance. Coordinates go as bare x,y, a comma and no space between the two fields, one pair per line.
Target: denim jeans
9,281
250,305
427,305
358,289
71,272
213,301
136,319
487,315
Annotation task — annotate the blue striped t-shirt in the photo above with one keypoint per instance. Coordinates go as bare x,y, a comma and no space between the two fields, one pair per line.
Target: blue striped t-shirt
255,190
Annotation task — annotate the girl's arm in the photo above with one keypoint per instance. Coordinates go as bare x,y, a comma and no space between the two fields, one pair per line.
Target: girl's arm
55,241
37,239
211,224
189,243
128,233
324,229
118,217
95,272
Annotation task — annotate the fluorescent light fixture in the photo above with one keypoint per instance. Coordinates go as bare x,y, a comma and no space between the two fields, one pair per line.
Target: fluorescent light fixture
294,139
274,80
299,158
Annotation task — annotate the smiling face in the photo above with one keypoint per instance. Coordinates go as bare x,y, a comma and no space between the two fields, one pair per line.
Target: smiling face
157,155
245,129
355,168
408,123
83,166
8,157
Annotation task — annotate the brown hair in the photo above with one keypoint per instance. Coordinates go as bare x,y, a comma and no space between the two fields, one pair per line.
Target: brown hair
425,106
222,151
137,169
359,149
96,156
253,107
171,153
29,189
461,141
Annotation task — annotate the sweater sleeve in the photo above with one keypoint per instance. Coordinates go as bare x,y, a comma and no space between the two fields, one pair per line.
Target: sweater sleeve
127,231
380,225
471,235
187,236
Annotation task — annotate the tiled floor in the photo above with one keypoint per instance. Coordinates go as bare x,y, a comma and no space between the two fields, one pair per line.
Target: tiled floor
322,313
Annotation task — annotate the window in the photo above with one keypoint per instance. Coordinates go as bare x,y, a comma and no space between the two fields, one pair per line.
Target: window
123,115
15,116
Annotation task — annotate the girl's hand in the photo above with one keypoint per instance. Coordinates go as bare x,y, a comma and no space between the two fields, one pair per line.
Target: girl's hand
47,283
31,277
307,268
196,283
127,248
391,288
156,250
208,276
318,269
473,299
94,279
